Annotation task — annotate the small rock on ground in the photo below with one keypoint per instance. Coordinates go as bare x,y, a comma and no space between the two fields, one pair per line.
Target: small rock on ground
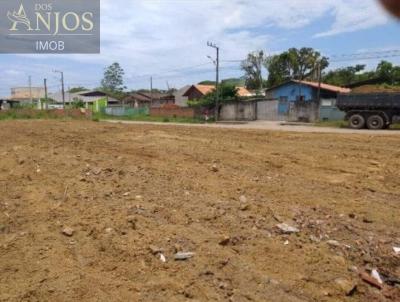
183,256
347,286
68,231
287,229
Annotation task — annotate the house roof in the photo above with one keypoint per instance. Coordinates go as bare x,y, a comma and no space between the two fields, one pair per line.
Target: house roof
156,95
146,96
57,96
242,91
182,91
137,97
92,93
324,86
205,89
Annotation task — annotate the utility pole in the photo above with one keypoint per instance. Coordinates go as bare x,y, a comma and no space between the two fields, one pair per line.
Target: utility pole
213,45
45,93
319,82
62,86
151,92
319,87
30,89
45,88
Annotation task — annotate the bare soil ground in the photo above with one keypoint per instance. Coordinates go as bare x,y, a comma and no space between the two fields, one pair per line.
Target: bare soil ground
126,194
271,126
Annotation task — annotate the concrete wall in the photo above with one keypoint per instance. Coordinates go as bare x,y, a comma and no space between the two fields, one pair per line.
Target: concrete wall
268,111
331,114
228,112
303,111
27,93
238,111
329,111
181,100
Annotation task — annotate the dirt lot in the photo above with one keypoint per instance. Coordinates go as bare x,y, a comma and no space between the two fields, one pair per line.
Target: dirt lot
126,194
270,126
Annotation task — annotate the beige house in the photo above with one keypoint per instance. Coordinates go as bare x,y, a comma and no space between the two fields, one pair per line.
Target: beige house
26,94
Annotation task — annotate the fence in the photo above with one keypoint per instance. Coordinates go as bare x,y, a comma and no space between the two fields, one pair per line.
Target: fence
125,111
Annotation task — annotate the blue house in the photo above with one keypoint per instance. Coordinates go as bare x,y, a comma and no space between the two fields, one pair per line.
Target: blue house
296,92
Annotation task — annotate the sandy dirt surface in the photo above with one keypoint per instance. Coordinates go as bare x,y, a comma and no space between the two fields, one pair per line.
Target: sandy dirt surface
88,210
268,125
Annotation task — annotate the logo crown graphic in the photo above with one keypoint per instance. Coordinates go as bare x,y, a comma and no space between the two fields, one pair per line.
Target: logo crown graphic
19,17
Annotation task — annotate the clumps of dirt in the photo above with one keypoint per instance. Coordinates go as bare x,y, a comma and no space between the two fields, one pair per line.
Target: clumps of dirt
376,89
150,213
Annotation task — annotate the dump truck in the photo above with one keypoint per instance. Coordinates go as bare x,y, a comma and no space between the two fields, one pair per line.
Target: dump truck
372,111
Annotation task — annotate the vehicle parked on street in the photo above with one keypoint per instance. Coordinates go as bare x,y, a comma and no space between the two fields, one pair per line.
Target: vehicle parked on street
372,111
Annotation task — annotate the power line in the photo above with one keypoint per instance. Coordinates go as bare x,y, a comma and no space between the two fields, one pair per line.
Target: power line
374,53
349,56
166,74
365,58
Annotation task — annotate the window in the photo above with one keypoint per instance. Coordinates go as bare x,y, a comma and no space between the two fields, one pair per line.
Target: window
328,102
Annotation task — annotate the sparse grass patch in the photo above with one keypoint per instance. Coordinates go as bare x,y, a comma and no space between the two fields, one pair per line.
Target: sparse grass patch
332,124
148,118
24,114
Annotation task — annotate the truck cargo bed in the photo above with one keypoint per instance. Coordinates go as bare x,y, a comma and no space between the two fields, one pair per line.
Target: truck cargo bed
378,101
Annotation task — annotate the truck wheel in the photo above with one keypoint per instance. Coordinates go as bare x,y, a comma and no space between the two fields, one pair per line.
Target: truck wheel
357,121
375,122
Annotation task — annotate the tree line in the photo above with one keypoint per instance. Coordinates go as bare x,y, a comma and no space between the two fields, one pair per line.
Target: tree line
307,64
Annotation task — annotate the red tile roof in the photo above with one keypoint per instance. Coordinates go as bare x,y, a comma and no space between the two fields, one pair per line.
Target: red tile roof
205,89
325,86
242,91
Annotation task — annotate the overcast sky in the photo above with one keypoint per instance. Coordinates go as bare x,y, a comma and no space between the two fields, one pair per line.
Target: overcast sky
153,37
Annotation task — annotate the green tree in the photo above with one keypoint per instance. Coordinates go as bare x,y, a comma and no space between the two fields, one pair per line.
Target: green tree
207,82
344,76
253,67
227,93
113,78
297,64
238,82
77,89
77,103
388,72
